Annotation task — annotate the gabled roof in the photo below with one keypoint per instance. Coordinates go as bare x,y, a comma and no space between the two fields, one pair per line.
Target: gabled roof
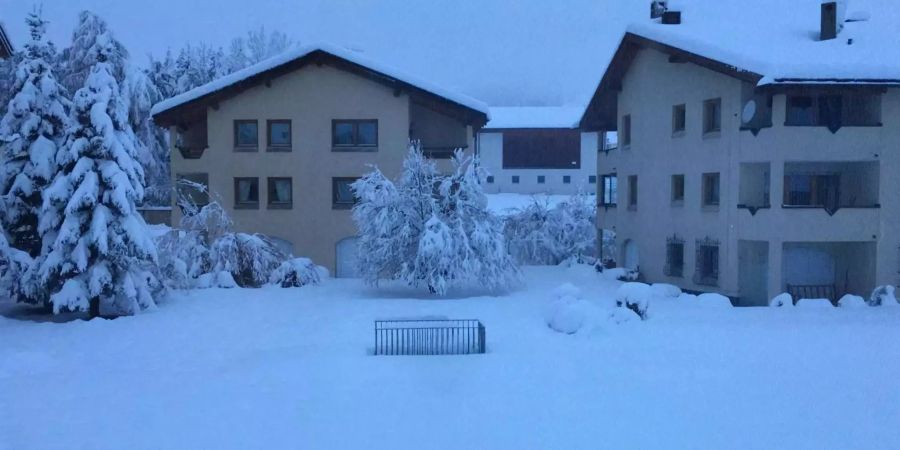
516,117
6,48
770,43
194,102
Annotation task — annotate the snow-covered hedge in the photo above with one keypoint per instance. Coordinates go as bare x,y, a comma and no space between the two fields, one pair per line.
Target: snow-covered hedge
297,272
636,297
567,312
851,301
543,235
883,296
782,300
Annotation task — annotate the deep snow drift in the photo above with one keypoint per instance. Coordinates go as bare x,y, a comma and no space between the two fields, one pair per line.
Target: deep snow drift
291,368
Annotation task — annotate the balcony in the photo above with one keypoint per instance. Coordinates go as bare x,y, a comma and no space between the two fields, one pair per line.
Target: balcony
831,186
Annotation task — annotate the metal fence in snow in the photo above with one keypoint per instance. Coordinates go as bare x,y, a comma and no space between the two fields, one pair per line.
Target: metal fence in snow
428,337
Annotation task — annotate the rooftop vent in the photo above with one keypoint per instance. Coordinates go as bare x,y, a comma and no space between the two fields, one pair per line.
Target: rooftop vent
832,19
671,18
657,8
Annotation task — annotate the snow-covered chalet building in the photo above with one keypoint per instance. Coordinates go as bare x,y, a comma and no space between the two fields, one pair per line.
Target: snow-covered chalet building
538,149
280,142
759,148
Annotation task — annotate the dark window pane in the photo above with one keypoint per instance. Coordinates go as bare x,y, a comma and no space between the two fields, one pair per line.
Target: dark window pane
368,133
280,134
490,179
280,190
541,179
343,133
342,192
567,179
592,179
247,190
247,134
515,179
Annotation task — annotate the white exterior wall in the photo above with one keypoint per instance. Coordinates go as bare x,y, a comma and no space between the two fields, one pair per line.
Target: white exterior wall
490,147
651,88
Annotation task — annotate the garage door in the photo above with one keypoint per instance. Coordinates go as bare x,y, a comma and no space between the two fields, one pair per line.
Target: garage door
346,258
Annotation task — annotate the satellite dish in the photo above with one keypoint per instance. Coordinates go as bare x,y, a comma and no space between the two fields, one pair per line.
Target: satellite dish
749,111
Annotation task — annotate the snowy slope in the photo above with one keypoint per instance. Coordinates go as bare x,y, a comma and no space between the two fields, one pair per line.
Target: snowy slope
289,368
779,39
302,51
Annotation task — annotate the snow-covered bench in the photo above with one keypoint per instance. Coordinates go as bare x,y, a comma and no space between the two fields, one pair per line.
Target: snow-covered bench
799,291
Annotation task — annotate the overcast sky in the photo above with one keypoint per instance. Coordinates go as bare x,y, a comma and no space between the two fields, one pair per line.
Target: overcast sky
505,52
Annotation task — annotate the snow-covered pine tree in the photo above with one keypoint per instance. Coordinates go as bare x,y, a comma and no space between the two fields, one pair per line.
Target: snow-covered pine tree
430,228
152,141
81,55
97,251
30,133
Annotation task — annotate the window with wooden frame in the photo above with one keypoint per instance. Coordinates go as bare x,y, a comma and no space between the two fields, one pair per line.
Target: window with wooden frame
678,189
278,135
706,266
342,195
246,136
674,257
711,188
712,116
354,135
246,193
679,119
626,130
632,191
280,193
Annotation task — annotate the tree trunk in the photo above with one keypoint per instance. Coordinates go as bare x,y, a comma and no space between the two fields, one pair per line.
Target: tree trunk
94,310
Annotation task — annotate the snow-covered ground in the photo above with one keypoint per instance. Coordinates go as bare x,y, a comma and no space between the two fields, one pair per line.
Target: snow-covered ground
291,368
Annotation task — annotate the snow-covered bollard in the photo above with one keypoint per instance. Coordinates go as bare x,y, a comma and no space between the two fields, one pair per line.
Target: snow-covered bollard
714,300
636,297
567,313
782,300
883,296
851,301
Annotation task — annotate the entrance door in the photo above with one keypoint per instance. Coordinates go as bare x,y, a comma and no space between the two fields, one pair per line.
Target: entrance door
347,257
631,255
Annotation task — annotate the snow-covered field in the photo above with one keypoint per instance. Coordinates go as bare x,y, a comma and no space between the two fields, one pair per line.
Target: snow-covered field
291,368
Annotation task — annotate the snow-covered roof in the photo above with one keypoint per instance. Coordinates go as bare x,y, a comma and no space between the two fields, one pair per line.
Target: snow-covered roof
780,39
6,48
535,117
301,51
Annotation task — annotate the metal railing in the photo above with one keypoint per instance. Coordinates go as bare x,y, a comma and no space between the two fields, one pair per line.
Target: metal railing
429,337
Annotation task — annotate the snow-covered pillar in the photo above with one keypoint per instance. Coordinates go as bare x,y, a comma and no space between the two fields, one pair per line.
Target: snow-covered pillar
775,269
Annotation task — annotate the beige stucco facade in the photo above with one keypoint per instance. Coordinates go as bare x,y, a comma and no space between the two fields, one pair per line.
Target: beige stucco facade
758,252
311,98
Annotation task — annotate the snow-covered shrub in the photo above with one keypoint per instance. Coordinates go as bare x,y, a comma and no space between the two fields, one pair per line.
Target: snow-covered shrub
636,297
782,300
183,256
539,234
567,312
851,301
814,303
663,290
210,220
629,275
249,258
883,296
714,300
296,272
221,279
430,229
688,299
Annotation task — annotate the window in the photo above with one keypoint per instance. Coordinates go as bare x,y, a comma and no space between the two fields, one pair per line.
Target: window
280,193
279,135
246,136
541,179
342,196
821,190
707,263
246,193
592,179
354,135
677,189
567,179
192,188
679,119
712,116
609,194
515,179
490,179
674,257
626,130
710,189
632,191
